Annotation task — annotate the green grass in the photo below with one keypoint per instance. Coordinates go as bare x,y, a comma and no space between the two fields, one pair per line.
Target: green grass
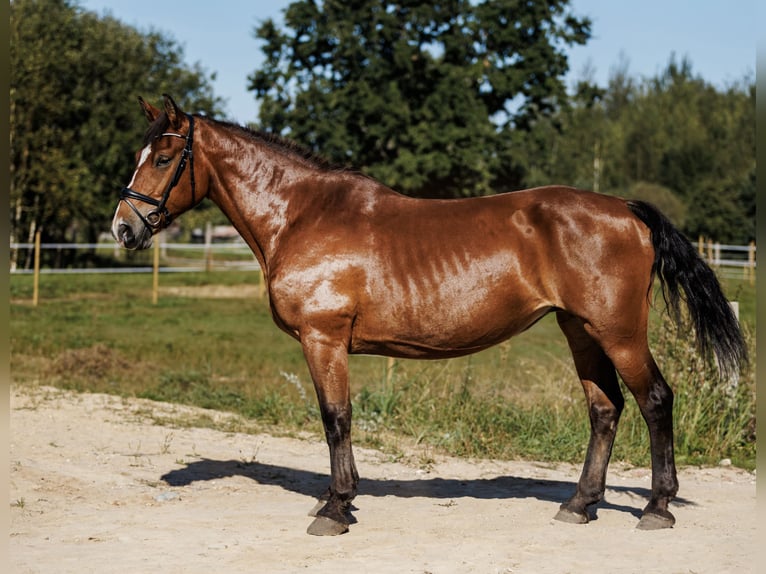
520,399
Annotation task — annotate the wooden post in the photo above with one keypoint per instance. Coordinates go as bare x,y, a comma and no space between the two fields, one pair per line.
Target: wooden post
701,246
710,252
36,278
208,247
261,284
156,272
751,262
735,308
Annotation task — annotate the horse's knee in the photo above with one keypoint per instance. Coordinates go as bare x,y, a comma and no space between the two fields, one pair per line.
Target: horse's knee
605,416
645,381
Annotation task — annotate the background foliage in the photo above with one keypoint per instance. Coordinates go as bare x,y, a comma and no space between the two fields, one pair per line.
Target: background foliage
75,121
455,98
674,140
443,99
408,91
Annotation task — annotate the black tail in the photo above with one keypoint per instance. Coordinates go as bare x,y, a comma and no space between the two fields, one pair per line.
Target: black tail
677,263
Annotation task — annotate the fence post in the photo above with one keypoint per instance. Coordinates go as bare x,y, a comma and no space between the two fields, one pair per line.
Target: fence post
261,284
156,272
701,246
36,278
751,262
208,247
735,308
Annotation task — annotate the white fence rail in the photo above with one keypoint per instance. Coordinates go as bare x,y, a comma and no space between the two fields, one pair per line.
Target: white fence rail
736,261
174,257
729,260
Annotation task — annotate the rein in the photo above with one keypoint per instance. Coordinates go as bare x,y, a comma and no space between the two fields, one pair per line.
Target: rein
160,217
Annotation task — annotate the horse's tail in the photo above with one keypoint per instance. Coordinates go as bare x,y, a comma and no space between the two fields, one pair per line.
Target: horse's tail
677,264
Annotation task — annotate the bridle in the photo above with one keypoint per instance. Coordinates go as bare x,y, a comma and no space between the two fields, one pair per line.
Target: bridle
159,217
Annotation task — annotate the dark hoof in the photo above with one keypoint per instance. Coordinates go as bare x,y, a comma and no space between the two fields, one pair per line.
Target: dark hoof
653,521
323,526
566,515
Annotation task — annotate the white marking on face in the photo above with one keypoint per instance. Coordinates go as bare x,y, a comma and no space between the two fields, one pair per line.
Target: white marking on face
145,153
116,220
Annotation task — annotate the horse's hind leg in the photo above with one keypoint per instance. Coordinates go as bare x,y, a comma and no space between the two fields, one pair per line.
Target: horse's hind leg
641,375
605,403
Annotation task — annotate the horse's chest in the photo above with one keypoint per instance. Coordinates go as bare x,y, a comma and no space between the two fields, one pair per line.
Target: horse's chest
312,298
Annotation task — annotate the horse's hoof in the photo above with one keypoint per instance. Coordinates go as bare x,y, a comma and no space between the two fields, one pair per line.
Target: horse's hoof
566,515
323,526
652,521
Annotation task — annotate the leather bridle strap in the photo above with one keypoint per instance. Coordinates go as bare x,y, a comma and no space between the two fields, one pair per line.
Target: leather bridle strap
159,217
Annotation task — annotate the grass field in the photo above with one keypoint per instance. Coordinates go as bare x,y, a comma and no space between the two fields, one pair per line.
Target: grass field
520,399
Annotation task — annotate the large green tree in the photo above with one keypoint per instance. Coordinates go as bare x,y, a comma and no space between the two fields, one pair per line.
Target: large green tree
415,93
74,117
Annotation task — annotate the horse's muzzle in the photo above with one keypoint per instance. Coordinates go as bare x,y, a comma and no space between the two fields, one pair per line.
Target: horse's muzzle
129,239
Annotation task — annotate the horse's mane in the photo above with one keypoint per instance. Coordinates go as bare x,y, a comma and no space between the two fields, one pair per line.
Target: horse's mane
282,145
269,139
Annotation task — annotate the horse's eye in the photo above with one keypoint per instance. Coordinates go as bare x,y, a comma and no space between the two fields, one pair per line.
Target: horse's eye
162,161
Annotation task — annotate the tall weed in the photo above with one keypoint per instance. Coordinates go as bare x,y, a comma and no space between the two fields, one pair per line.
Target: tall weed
714,418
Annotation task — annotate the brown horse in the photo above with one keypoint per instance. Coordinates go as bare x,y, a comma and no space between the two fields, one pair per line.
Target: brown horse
354,267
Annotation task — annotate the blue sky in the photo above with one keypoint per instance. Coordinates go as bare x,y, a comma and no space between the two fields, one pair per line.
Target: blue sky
718,36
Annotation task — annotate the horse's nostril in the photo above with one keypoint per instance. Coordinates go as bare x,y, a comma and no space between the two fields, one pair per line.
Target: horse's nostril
126,235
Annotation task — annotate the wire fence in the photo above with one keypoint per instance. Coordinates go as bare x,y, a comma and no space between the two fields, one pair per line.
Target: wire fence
732,261
729,260
110,258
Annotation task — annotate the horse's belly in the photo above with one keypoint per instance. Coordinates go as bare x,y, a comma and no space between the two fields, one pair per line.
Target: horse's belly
446,331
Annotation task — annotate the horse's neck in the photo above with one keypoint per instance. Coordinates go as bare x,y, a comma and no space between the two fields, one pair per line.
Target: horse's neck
253,192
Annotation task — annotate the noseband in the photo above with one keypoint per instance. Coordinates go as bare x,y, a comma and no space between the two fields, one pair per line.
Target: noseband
160,216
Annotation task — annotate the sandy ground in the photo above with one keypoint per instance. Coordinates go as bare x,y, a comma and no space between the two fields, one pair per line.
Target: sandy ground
97,485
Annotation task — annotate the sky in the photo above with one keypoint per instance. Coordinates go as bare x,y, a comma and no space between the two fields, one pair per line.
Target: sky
719,37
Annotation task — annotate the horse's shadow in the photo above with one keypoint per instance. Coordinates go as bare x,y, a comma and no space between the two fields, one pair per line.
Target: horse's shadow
314,484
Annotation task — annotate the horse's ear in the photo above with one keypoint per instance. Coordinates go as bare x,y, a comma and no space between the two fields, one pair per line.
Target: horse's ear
150,111
173,111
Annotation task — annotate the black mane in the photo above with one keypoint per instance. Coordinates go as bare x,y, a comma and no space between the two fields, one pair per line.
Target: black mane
282,145
269,139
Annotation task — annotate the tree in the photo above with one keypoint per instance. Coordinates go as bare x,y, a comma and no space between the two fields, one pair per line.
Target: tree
672,139
74,117
698,141
414,93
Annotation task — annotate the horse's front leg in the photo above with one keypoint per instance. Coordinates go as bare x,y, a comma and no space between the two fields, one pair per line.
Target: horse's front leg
328,363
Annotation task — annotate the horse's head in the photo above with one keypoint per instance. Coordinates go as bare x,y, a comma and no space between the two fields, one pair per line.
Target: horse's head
163,185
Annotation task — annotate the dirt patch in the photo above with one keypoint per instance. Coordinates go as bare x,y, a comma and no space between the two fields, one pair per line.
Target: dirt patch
96,485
